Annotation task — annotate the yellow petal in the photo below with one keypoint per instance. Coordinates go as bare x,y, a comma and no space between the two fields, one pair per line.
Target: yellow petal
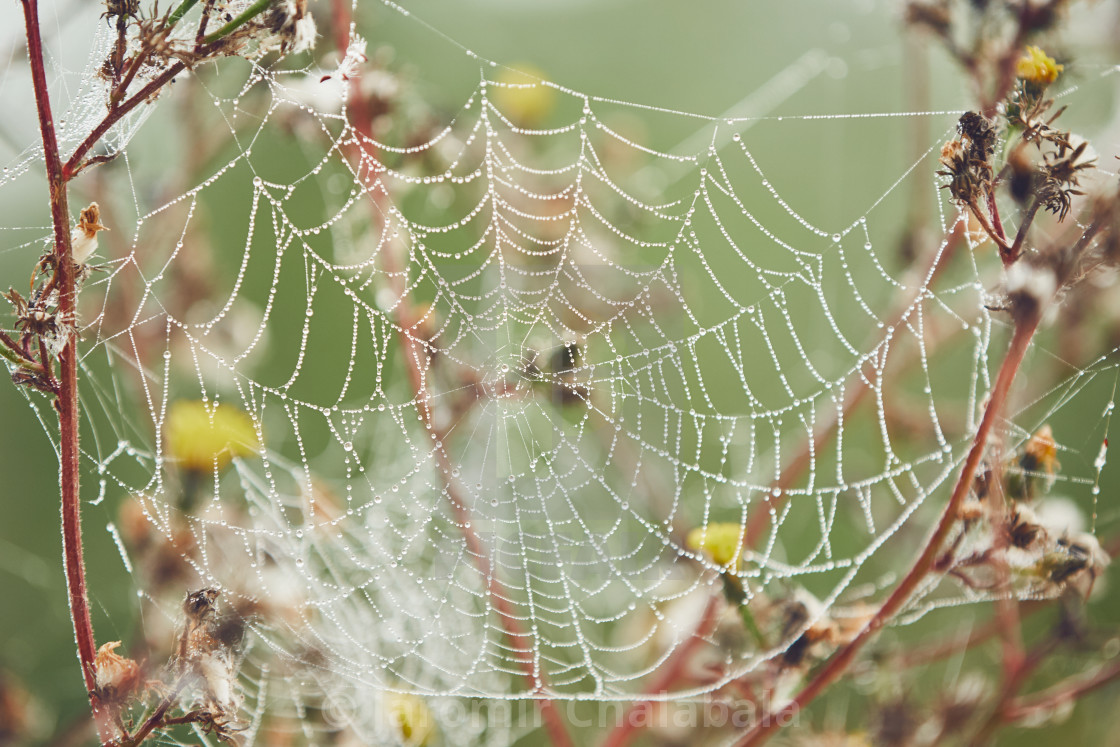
523,96
200,435
1037,66
411,717
721,541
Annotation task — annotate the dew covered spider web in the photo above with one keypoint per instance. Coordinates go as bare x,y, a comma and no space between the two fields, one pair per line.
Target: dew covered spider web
498,373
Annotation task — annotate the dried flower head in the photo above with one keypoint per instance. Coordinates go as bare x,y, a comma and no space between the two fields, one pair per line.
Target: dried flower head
83,238
1075,560
293,26
37,317
118,679
123,9
967,159
204,656
1025,528
1061,170
1036,66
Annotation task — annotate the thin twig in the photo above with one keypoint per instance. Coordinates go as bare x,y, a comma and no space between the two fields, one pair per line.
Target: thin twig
1061,694
158,717
1000,241
1025,327
1013,681
1007,606
1021,235
74,165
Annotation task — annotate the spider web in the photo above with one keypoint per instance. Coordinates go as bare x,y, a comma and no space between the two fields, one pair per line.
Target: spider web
499,372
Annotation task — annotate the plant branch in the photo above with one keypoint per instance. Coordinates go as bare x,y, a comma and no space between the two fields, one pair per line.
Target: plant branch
1060,694
1025,326
157,719
177,14
12,352
1021,234
74,165
993,234
247,15
66,402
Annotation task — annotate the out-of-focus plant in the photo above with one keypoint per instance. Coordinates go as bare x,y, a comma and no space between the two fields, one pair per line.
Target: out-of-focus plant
151,48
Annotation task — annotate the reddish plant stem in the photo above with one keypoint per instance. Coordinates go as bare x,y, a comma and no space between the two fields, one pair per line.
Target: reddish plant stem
952,645
74,164
66,403
1012,682
1060,694
1025,326
670,673
415,359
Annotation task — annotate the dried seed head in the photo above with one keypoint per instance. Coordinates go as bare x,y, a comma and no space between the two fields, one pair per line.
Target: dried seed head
118,679
83,238
1024,529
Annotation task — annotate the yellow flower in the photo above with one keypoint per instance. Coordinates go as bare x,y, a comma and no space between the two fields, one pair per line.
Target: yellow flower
410,716
1038,67
522,95
722,541
200,435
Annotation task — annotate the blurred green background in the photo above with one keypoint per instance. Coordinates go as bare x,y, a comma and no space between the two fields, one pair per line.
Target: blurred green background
711,58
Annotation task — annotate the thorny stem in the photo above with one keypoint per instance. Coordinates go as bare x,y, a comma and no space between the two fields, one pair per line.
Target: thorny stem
66,403
414,354
1025,326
